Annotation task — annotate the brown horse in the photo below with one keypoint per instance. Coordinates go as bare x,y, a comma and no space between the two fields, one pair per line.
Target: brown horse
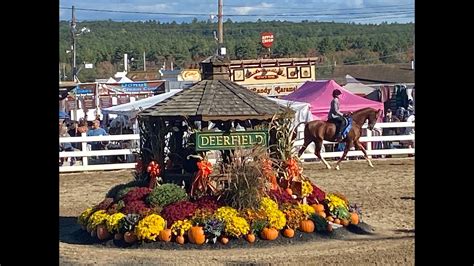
318,131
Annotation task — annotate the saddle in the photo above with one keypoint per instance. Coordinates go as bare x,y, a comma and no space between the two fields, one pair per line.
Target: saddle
347,127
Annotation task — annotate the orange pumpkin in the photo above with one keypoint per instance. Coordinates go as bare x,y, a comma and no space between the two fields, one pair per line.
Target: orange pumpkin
322,214
289,191
130,237
250,238
307,226
354,218
165,235
318,207
288,232
224,240
196,235
337,221
330,218
180,240
102,232
269,233
344,222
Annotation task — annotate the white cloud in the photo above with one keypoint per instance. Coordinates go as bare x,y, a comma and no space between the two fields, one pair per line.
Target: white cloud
152,8
244,10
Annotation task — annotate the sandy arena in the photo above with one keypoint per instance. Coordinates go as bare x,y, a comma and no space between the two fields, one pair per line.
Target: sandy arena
386,194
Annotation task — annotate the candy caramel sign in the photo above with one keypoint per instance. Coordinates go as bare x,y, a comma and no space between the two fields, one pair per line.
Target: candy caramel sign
274,89
230,140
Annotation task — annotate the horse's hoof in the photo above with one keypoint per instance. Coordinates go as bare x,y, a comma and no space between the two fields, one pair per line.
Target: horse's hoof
337,167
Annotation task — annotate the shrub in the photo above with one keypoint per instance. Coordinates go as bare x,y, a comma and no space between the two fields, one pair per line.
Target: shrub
166,194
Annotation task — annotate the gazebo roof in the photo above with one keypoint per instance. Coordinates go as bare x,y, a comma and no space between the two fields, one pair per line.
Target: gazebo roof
216,100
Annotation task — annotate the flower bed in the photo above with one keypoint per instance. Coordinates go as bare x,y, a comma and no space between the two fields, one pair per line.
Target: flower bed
131,219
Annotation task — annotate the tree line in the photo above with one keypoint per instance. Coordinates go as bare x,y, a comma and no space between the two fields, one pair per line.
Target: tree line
186,44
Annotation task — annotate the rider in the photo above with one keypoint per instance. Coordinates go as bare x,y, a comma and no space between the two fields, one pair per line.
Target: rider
335,115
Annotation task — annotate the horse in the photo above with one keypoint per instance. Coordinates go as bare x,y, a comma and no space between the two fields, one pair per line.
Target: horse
316,131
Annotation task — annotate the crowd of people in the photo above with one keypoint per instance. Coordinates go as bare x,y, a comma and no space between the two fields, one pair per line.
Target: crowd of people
69,128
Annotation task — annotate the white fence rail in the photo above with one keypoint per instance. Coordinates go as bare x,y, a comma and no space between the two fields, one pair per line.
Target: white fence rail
407,138
86,153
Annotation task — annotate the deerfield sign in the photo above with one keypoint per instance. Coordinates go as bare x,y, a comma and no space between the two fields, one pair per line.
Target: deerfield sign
230,140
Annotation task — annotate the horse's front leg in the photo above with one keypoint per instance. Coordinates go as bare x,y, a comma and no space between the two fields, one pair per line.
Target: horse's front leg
346,150
317,151
361,147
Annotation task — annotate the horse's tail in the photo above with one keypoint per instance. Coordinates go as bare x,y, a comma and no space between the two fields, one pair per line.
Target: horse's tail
295,129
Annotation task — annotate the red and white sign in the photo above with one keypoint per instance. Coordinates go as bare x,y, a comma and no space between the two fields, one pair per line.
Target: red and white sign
267,39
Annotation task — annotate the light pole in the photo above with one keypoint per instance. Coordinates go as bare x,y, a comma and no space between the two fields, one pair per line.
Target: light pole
75,34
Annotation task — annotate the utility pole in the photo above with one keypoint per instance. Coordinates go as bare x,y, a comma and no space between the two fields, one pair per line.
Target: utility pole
144,62
73,34
220,25
220,30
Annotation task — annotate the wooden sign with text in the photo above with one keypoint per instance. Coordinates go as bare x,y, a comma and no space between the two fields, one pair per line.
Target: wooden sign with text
230,140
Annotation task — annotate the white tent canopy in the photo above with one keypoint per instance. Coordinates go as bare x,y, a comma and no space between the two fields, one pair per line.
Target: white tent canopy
302,110
354,86
133,108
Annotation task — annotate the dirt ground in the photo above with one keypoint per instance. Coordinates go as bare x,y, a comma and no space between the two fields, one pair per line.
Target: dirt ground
386,194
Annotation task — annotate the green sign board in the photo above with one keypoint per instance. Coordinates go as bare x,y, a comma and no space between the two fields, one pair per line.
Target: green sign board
230,140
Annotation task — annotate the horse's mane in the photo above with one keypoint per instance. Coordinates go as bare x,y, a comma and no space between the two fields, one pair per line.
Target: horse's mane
364,110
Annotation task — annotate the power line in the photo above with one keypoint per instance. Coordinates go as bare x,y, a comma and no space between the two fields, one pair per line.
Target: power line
233,15
329,9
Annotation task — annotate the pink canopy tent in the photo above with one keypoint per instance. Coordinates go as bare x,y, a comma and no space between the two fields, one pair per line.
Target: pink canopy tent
319,95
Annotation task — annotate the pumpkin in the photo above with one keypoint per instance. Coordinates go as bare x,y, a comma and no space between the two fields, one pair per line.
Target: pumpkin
224,240
289,191
330,218
322,214
345,222
288,232
196,235
102,232
318,207
130,237
354,218
118,236
269,233
250,238
307,226
165,235
337,221
180,240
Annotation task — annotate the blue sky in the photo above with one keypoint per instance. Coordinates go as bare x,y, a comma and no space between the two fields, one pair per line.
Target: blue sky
358,11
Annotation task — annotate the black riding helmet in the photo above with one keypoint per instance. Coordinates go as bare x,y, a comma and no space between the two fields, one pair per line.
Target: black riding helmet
336,92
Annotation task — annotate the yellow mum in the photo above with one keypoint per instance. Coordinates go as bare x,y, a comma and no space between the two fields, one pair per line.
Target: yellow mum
113,220
180,227
306,209
149,227
97,218
84,216
237,226
225,213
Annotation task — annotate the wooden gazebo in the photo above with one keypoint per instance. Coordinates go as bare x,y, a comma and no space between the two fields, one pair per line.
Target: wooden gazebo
215,99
